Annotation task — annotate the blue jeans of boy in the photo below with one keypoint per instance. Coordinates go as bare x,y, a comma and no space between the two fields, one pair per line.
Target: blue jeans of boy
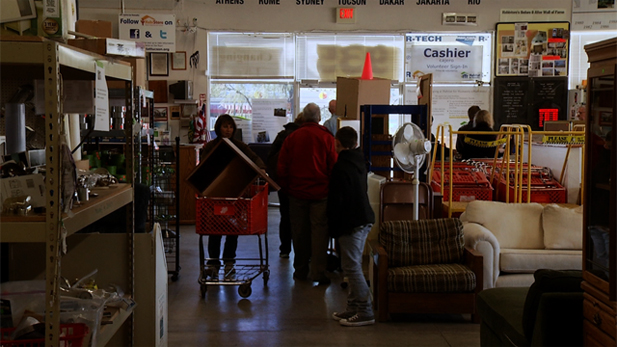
352,246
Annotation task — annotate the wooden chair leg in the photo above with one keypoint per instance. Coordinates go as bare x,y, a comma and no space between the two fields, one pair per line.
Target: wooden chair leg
382,315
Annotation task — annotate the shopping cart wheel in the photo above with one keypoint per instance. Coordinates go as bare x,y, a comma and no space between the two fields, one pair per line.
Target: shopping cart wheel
245,290
266,277
203,288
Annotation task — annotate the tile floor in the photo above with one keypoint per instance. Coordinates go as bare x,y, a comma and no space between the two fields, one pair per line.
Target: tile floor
288,312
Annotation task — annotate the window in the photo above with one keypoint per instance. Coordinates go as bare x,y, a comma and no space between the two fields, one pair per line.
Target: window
239,55
323,57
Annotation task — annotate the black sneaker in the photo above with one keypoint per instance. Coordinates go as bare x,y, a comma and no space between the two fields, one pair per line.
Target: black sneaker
300,277
211,273
323,281
357,321
343,315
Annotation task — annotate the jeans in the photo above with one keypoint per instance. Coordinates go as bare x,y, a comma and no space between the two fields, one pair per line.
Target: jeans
309,231
285,224
229,251
352,246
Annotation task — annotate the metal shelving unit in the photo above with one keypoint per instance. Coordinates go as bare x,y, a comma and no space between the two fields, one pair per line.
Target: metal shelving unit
164,201
54,62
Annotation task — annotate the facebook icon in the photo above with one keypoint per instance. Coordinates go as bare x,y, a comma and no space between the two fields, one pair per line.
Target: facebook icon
134,33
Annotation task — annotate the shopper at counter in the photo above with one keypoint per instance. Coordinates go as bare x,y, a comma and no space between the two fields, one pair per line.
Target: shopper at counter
273,156
304,166
225,127
460,138
480,145
331,123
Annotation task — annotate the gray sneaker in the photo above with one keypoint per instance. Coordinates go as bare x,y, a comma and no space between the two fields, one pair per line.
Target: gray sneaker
230,271
337,316
357,321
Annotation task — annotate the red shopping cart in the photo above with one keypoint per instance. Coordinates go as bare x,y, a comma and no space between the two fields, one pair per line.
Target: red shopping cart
246,215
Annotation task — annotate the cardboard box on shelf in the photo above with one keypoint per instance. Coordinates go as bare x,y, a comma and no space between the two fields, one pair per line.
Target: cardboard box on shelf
98,28
226,172
352,92
107,46
28,185
83,164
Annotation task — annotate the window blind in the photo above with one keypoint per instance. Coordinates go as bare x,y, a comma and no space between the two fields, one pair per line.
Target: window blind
257,56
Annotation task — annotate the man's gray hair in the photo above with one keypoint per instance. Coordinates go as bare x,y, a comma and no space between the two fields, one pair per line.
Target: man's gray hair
312,113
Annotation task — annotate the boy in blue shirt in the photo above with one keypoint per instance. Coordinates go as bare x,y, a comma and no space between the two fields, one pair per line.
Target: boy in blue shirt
350,219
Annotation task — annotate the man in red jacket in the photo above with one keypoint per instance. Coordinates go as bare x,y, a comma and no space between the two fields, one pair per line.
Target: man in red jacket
304,166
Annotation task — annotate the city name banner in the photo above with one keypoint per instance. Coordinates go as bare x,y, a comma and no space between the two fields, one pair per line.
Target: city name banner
450,58
156,31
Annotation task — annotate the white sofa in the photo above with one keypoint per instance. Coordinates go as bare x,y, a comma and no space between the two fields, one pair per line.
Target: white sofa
518,239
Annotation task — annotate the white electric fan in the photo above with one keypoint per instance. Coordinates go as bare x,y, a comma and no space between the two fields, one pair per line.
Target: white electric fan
410,150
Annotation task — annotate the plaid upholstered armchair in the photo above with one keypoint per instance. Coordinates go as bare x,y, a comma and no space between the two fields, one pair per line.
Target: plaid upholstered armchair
423,267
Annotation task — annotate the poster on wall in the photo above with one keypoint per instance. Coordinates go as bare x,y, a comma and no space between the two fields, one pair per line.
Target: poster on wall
269,116
157,31
450,104
532,49
449,57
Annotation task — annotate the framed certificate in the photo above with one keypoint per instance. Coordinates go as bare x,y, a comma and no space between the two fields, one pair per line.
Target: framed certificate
178,61
159,64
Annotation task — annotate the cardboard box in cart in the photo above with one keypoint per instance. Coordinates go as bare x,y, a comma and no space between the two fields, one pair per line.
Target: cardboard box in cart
230,201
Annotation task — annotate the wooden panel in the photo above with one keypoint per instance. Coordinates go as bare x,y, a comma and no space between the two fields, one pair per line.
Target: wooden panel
189,156
593,337
160,90
599,315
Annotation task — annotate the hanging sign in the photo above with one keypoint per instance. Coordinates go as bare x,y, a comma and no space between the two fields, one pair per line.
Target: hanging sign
450,58
157,31
101,99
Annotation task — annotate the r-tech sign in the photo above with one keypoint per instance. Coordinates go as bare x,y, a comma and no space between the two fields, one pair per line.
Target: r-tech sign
157,31
448,58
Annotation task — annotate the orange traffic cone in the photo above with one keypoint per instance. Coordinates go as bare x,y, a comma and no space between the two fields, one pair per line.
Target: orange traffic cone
367,73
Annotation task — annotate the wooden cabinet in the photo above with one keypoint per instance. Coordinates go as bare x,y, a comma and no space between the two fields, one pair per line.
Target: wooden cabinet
600,197
189,158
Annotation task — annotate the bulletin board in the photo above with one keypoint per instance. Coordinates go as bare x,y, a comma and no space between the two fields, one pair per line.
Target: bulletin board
534,49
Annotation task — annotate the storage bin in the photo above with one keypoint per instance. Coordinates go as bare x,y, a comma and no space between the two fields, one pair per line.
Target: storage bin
234,216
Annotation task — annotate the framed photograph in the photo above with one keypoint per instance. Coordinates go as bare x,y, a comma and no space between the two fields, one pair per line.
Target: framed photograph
606,118
189,110
159,64
160,113
178,61
175,111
